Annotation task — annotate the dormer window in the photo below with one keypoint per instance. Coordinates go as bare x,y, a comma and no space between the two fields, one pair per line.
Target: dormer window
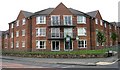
96,21
11,25
17,23
101,22
23,21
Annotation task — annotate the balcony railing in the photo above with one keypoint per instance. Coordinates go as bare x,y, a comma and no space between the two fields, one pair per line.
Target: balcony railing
60,35
61,23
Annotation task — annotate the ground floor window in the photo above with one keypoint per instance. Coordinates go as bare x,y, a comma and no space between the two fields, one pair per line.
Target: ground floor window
40,44
23,43
82,43
55,45
17,44
11,44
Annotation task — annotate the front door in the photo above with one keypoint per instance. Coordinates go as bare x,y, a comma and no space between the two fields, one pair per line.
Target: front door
69,32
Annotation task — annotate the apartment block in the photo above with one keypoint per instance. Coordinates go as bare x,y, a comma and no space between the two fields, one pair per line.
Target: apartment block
47,30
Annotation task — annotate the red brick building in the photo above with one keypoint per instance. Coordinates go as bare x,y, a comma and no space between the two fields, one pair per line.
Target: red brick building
46,30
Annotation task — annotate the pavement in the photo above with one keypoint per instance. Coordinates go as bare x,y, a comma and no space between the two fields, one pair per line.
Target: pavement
68,61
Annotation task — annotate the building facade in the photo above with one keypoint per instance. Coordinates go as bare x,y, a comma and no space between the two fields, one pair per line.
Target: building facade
47,30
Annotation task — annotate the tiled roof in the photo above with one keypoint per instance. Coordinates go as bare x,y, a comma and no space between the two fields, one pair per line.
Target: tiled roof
27,14
92,13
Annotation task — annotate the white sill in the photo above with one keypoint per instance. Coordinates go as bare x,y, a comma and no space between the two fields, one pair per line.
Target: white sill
55,50
82,35
82,47
40,23
81,23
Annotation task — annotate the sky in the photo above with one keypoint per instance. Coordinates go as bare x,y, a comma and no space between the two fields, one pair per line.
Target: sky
9,9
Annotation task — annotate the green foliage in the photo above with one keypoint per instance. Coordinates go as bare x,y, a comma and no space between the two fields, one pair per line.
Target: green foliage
101,38
114,36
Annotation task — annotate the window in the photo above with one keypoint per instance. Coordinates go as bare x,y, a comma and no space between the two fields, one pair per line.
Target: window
17,44
67,20
82,43
12,25
6,36
23,21
96,21
41,31
12,35
41,20
11,44
17,23
23,43
17,33
55,45
109,26
101,22
81,32
55,20
23,32
55,32
105,25
110,43
81,19
115,28
40,44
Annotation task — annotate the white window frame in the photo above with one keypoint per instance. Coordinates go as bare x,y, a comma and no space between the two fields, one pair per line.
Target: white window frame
81,19
68,49
57,21
55,48
43,32
17,23
83,44
6,36
105,24
41,20
109,26
17,33
115,27
17,44
85,32
38,44
23,32
56,32
67,19
11,34
12,25
96,21
101,22
11,44
23,43
23,21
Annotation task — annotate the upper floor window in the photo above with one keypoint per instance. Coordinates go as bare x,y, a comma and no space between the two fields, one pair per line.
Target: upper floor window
67,19
82,31
6,36
81,19
96,21
40,20
12,35
41,31
23,21
105,25
23,32
17,23
101,22
17,33
55,20
12,25
109,26
115,27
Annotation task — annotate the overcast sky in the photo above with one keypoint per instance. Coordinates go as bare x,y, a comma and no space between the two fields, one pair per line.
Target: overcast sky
9,9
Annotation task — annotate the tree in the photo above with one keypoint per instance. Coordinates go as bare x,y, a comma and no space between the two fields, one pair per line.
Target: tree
100,38
114,36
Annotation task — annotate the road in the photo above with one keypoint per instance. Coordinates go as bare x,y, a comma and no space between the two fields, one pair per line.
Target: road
18,62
